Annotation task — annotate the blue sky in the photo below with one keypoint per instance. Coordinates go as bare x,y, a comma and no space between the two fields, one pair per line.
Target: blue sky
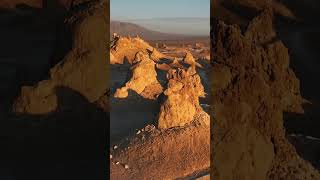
148,9
171,16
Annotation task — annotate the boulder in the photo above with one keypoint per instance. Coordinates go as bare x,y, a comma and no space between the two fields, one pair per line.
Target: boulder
182,98
144,77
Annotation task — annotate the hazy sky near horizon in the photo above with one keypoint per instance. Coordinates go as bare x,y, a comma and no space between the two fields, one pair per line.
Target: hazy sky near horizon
148,9
170,16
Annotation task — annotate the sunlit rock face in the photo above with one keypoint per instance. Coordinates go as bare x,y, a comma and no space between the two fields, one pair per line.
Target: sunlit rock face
182,98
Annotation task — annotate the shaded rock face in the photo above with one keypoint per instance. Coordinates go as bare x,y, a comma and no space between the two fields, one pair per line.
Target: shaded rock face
242,11
84,68
252,86
38,99
144,79
126,48
260,29
182,98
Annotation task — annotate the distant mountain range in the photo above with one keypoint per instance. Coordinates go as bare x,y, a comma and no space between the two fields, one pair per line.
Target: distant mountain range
131,29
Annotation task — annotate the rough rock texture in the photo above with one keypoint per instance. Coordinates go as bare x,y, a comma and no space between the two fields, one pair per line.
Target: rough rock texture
252,86
242,11
260,29
126,48
144,79
189,59
84,69
37,99
182,98
156,55
169,154
176,64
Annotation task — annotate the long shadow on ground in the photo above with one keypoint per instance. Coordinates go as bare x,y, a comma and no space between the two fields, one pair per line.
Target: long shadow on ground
69,143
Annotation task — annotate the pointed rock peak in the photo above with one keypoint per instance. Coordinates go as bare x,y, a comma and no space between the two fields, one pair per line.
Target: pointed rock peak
260,30
188,58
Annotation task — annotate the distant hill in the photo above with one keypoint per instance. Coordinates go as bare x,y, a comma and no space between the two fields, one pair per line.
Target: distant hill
126,28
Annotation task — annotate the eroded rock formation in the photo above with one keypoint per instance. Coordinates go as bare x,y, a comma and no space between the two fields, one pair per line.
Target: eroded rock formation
144,78
126,48
83,69
189,59
182,98
252,86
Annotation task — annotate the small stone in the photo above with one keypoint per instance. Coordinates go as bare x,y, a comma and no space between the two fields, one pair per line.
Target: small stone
139,132
117,162
126,166
115,147
110,156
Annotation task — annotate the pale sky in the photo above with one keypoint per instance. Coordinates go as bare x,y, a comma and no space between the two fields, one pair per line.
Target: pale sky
170,16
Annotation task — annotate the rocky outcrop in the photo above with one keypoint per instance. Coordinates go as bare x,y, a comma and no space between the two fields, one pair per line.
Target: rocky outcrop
36,99
252,86
242,11
189,59
260,29
126,48
182,98
144,79
84,68
177,64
